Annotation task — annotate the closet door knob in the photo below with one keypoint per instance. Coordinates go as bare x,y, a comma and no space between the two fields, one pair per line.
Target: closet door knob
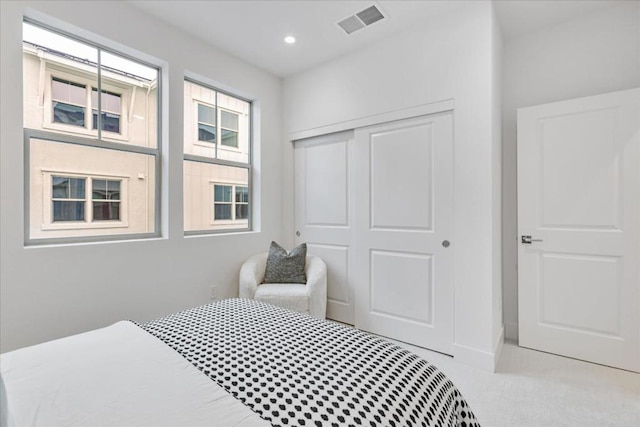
446,243
298,233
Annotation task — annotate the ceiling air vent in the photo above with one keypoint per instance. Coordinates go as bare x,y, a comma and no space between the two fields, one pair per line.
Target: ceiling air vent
361,19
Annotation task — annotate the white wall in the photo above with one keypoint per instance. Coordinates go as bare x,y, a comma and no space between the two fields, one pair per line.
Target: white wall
449,57
589,55
50,292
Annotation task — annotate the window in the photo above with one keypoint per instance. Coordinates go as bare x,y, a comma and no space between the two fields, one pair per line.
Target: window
68,198
223,202
231,202
91,127
80,200
217,165
242,203
106,200
229,128
110,110
206,123
69,102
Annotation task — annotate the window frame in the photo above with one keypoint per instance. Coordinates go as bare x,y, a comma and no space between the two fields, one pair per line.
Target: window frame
94,138
217,161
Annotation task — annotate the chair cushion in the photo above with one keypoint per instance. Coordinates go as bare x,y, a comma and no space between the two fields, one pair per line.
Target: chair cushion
287,295
286,268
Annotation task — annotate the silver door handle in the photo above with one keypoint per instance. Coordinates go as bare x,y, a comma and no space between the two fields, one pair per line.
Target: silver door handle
528,240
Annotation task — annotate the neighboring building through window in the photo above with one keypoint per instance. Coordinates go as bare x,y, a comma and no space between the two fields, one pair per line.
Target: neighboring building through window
91,140
217,160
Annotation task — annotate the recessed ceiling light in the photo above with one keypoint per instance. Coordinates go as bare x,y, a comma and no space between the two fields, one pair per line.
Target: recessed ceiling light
289,40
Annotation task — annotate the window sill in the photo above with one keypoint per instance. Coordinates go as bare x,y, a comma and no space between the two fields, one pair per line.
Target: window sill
77,130
86,225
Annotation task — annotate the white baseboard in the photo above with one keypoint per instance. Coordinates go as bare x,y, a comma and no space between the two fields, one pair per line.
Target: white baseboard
511,331
484,360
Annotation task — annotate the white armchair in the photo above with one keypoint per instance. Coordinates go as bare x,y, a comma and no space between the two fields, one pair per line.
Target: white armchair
308,298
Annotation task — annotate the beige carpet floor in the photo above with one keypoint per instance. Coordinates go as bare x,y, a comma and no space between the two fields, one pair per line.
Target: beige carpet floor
536,389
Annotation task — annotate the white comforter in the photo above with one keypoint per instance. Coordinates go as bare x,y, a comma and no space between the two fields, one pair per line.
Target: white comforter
116,376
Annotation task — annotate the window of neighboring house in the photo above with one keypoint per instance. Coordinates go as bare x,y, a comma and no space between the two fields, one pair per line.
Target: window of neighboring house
106,200
223,206
229,128
74,102
217,148
69,201
69,101
111,110
206,123
231,202
91,124
242,203
68,198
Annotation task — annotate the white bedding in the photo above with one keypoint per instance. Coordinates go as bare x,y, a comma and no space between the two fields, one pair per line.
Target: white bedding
116,376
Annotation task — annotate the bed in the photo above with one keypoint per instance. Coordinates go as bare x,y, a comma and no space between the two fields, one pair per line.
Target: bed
235,362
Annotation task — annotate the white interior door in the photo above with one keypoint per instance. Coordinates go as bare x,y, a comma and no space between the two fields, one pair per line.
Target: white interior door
578,200
403,250
323,213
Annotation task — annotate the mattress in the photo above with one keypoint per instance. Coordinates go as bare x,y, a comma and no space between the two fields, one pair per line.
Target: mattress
231,363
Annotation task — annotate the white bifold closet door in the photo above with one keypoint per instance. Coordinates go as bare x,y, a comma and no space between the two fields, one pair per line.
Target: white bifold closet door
579,228
377,204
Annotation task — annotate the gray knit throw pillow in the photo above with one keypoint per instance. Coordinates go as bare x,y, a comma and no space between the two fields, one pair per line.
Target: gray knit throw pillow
286,268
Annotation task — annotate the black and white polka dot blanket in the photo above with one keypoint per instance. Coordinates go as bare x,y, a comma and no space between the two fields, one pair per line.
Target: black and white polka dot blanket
296,370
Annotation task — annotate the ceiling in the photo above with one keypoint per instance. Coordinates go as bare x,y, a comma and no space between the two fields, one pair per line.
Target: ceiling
254,30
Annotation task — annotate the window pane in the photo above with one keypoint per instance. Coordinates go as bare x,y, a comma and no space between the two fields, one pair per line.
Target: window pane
68,91
68,114
127,82
106,211
222,212
68,211
67,188
60,187
229,138
77,188
114,63
223,193
235,120
242,211
35,35
206,133
242,194
229,120
113,190
110,101
68,70
99,189
215,117
135,174
110,122
205,188
206,114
